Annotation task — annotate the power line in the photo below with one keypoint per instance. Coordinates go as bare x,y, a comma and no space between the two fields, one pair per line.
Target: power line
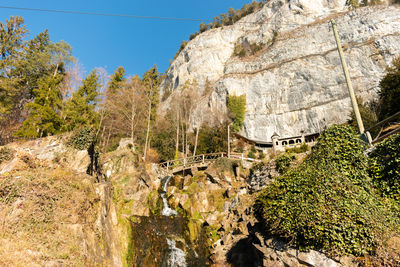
130,16
98,14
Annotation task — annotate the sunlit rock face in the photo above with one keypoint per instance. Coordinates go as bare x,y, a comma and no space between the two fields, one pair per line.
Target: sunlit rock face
295,83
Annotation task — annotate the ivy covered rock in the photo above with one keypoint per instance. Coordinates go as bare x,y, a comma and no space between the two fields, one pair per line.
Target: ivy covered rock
328,203
385,166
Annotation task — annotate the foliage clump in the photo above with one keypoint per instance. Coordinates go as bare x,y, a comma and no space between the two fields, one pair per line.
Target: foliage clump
83,138
328,203
237,110
385,166
243,48
212,139
283,161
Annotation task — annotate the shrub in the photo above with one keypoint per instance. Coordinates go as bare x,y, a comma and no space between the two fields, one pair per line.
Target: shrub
283,161
243,48
83,138
251,155
238,50
298,149
328,203
385,166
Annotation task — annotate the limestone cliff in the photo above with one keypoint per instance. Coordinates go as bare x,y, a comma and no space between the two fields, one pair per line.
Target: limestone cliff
295,82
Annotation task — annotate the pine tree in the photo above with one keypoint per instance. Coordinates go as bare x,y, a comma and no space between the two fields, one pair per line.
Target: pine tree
80,109
44,116
12,33
151,80
117,80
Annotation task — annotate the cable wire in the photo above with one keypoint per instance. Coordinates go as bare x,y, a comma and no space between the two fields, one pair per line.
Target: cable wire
130,16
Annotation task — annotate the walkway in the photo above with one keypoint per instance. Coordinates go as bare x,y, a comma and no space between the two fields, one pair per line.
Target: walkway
199,161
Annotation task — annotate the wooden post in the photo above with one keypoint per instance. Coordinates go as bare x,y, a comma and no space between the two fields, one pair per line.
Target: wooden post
202,158
167,165
184,162
348,81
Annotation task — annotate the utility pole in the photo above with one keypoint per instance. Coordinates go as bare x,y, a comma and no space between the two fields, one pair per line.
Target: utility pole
360,124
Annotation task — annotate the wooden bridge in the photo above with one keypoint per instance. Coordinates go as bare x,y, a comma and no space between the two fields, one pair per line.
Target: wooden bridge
199,161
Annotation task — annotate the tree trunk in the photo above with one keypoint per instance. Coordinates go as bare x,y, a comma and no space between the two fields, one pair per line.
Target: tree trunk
133,115
148,123
195,141
148,130
183,139
177,133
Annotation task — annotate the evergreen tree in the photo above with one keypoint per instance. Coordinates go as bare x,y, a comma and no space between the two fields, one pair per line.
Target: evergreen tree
44,116
80,109
12,33
117,80
151,80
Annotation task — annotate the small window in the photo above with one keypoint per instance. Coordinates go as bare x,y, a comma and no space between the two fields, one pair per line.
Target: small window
284,143
291,142
298,141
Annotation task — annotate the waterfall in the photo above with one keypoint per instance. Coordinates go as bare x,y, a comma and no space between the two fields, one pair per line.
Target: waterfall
166,211
177,257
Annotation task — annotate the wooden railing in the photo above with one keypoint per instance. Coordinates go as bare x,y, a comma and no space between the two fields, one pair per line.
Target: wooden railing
200,160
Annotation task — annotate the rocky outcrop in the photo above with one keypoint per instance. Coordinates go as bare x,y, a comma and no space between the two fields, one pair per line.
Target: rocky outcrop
295,83
51,151
52,213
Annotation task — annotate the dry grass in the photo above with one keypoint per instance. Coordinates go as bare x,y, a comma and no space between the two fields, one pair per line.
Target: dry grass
44,216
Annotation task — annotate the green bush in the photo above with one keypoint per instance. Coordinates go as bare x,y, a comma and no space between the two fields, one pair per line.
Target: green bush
328,203
6,154
237,111
283,161
83,138
251,155
385,166
212,139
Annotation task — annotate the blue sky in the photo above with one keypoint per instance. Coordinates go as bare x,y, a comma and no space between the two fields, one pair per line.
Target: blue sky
109,42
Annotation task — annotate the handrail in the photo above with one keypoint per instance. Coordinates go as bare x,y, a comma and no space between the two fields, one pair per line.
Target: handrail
203,158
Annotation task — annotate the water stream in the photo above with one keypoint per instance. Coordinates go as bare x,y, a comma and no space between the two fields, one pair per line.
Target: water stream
166,211
177,256
163,240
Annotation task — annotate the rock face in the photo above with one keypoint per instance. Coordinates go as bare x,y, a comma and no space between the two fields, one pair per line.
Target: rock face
295,83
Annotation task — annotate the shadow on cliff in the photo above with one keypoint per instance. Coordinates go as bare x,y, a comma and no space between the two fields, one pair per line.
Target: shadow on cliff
244,253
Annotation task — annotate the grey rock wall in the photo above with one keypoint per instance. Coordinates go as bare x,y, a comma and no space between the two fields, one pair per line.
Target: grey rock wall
295,83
